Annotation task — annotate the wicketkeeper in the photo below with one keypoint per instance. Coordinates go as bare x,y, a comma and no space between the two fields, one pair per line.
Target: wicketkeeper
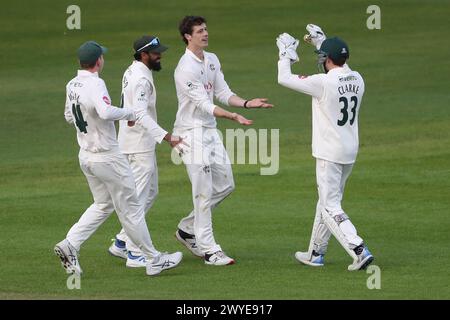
336,98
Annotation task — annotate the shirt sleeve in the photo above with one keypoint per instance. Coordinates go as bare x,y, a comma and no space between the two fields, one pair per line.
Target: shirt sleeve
194,90
222,91
311,85
102,103
141,94
67,112
141,98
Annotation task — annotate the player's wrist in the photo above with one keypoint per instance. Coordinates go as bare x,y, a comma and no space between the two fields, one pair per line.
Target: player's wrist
246,104
168,137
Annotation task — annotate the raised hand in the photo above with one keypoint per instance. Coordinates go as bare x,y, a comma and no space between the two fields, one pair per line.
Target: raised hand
258,103
287,46
241,119
315,35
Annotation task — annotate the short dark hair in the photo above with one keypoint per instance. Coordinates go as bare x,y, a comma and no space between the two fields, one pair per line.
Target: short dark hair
339,62
186,25
89,65
137,56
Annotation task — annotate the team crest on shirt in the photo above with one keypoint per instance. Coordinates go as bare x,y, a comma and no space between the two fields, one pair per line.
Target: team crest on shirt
144,91
212,67
208,86
142,96
106,99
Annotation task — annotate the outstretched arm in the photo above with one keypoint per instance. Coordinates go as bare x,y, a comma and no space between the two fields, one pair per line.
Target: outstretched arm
105,110
312,85
223,93
237,101
222,113
195,90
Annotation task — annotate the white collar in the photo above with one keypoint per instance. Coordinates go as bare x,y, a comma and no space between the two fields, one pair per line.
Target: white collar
142,67
336,70
86,73
190,53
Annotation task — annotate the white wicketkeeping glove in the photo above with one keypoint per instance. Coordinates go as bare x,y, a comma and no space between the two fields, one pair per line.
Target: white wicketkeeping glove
287,46
315,35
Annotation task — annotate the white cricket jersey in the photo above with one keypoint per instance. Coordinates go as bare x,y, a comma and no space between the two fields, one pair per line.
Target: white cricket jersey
88,107
336,99
197,83
139,94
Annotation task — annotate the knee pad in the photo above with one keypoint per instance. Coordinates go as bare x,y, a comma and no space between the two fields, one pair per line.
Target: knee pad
339,218
333,224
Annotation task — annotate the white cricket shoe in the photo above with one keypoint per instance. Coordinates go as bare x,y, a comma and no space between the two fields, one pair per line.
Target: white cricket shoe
188,240
136,261
118,249
218,258
364,258
69,257
163,262
314,260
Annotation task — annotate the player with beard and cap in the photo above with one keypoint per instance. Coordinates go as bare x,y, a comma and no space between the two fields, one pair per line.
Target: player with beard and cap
138,142
88,108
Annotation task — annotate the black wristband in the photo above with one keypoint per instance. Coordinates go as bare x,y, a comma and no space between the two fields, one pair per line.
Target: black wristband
245,104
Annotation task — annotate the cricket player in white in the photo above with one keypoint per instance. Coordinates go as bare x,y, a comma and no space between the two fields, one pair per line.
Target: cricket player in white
198,79
138,142
336,99
107,171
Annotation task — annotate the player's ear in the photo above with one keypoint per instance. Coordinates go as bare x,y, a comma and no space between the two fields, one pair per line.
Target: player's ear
145,56
187,36
99,62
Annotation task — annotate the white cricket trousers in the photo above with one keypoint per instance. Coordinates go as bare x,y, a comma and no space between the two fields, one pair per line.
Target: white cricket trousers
209,169
113,188
331,178
145,172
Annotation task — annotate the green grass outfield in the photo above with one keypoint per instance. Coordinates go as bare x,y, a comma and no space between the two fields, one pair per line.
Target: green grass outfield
398,195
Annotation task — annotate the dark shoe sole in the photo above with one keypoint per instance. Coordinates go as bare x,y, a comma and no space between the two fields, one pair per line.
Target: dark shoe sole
64,261
366,264
180,240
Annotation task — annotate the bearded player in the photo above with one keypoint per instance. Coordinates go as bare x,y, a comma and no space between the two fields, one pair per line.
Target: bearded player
138,143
